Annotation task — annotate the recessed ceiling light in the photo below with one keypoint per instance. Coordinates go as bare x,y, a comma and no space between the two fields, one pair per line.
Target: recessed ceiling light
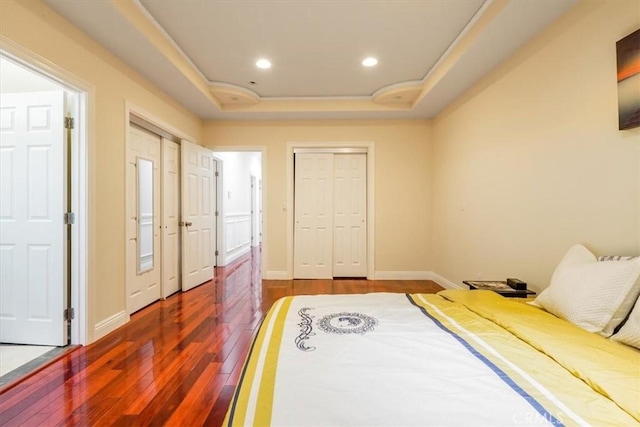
369,62
263,63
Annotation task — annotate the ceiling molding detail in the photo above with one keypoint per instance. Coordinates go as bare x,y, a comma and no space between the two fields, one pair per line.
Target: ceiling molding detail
226,96
489,33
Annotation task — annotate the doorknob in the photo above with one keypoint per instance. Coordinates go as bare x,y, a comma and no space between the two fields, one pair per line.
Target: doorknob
187,224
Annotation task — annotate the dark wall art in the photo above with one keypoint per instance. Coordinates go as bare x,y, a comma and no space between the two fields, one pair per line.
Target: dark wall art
628,50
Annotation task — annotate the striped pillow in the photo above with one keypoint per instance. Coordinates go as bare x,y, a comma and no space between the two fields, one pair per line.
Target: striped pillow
616,258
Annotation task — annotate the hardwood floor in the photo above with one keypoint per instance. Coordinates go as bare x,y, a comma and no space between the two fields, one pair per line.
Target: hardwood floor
176,363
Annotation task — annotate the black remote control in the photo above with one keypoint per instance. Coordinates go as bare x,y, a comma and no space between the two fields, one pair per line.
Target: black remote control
517,284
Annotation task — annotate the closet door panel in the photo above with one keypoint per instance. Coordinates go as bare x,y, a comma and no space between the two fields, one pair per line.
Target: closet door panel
313,230
350,215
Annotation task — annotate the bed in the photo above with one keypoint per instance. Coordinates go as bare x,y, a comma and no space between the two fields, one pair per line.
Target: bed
456,358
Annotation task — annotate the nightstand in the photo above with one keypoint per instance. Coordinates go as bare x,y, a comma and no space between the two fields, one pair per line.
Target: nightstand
499,287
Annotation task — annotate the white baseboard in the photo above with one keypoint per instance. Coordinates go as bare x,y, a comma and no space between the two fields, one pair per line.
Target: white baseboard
276,275
109,324
403,275
446,283
234,255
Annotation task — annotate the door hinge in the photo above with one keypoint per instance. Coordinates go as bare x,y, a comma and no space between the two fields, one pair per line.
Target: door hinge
68,123
69,314
69,218
217,213
217,253
217,173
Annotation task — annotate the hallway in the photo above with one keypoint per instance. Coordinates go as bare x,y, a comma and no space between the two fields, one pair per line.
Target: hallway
176,362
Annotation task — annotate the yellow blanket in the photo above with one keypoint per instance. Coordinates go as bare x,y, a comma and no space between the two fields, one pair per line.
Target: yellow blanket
610,368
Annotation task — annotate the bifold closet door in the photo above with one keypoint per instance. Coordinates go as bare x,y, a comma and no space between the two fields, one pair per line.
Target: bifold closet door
198,214
143,219
350,215
170,217
313,229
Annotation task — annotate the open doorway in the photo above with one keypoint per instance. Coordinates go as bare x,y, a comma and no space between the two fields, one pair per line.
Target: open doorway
42,217
240,204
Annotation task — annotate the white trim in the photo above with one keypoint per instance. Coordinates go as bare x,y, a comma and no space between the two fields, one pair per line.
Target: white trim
404,275
238,215
276,275
448,53
221,260
170,40
131,108
334,150
110,324
83,185
370,146
446,283
232,256
236,224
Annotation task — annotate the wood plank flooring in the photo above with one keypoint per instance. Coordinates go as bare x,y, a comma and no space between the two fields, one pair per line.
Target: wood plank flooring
176,363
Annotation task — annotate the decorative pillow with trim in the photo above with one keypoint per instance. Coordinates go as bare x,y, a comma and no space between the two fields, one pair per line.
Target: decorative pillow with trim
589,293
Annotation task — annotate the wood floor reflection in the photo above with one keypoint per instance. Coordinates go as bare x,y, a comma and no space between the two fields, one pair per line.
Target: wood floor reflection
176,362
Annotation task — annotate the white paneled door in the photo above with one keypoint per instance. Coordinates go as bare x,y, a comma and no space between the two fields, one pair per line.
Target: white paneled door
198,214
330,219
170,217
313,240
350,215
143,219
32,231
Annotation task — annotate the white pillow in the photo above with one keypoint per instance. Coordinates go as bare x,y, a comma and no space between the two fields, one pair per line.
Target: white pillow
588,293
630,331
626,306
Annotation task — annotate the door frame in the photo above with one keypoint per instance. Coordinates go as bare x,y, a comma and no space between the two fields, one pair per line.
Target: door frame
220,260
82,183
262,149
370,146
131,109
255,241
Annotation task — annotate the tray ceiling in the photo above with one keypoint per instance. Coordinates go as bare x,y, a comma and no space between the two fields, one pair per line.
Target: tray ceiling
203,53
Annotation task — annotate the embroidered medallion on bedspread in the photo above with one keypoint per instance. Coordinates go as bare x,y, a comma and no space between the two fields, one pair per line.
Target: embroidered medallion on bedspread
335,323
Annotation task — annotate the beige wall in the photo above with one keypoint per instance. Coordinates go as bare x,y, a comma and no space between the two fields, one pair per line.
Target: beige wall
402,182
531,161
501,184
36,27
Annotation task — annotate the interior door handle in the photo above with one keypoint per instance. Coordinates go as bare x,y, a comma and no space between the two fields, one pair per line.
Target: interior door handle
187,224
